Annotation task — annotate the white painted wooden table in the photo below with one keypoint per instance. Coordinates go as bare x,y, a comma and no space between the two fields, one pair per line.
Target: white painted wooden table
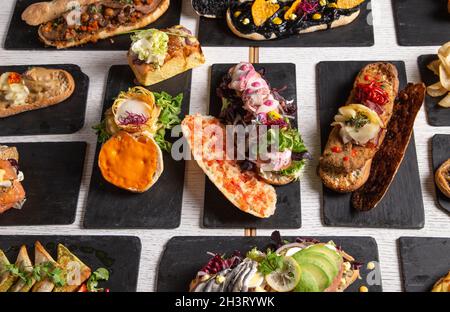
96,64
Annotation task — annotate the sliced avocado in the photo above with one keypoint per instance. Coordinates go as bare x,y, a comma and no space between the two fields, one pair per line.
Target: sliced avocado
313,278
330,254
319,259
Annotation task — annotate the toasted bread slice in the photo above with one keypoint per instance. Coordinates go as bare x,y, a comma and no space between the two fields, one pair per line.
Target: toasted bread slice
47,87
105,32
41,256
353,156
389,157
76,271
42,12
26,266
275,178
345,182
9,152
181,57
340,21
206,138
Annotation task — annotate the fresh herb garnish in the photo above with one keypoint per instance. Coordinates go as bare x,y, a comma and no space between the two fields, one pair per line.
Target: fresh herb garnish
101,132
51,271
357,122
271,263
255,255
168,118
100,274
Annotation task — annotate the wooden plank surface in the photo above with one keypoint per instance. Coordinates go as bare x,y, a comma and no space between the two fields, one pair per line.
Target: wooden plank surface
96,65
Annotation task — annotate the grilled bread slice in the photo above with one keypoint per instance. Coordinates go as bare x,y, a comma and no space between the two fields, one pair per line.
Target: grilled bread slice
46,87
389,157
156,9
349,169
206,138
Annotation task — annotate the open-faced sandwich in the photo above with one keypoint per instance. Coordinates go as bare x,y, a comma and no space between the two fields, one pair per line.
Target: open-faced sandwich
36,88
157,55
67,23
67,274
266,148
443,285
272,19
355,151
442,178
305,265
12,194
441,67
133,137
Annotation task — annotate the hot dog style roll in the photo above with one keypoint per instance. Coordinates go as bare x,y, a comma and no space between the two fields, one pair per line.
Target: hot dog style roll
68,23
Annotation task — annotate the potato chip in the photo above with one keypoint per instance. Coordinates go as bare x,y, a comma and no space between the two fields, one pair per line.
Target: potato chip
445,102
444,77
436,90
434,67
262,10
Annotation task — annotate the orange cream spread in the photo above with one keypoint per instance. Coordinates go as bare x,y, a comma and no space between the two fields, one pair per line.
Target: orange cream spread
129,163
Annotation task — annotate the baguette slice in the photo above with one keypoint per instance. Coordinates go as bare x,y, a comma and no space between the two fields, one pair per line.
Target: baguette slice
42,12
341,21
206,137
349,175
388,159
104,33
47,87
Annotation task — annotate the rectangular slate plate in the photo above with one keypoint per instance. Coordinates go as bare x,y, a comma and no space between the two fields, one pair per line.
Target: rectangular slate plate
402,207
21,36
120,255
437,116
221,213
53,173
159,207
184,256
424,260
64,118
421,22
441,152
215,33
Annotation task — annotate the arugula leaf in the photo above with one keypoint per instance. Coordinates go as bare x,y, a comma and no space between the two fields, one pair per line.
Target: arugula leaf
101,132
168,118
101,274
271,263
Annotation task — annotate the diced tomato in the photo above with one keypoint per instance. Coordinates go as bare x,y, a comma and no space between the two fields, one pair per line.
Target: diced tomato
336,149
83,288
346,158
14,78
354,153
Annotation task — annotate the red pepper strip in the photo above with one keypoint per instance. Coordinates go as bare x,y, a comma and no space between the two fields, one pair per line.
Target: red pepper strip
14,78
371,92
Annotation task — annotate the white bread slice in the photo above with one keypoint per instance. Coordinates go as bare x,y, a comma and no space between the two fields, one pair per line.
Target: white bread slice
106,33
38,78
341,21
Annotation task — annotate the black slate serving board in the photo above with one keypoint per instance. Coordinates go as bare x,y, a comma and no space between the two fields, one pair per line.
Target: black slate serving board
64,118
53,173
441,152
21,36
221,213
424,260
215,32
437,116
159,207
402,206
184,256
120,255
421,22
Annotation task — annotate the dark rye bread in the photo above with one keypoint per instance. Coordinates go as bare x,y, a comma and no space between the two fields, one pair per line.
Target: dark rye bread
390,155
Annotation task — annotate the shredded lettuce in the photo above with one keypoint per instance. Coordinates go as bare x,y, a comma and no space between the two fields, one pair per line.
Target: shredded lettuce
150,45
294,169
